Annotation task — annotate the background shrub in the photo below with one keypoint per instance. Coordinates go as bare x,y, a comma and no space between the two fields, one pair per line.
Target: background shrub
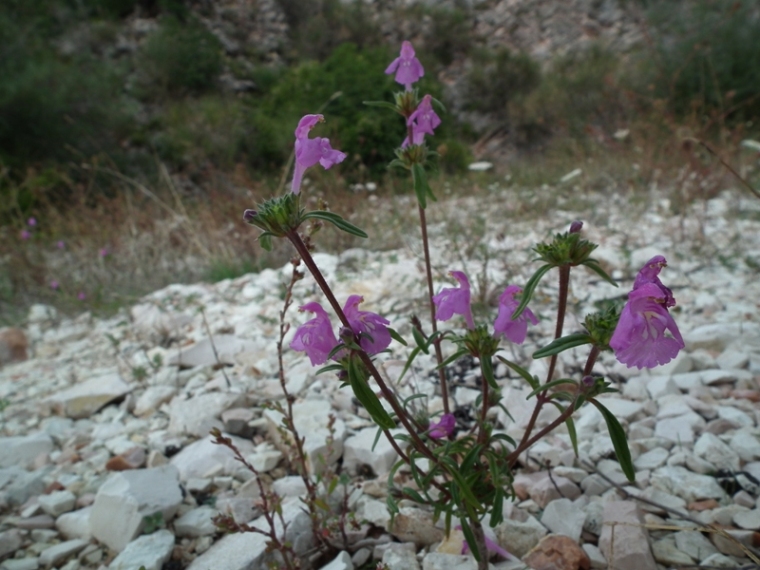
181,57
707,54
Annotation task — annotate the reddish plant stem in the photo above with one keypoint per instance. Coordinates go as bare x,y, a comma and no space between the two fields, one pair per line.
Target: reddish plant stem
591,360
437,342
525,444
388,394
485,404
564,285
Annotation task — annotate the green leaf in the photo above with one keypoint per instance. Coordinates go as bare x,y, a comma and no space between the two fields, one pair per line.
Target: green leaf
453,358
617,434
460,482
392,505
409,361
265,240
497,515
562,344
594,266
329,368
337,221
530,288
368,398
420,339
548,385
397,337
409,492
469,536
570,427
420,184
531,380
383,104
486,366
441,107
378,433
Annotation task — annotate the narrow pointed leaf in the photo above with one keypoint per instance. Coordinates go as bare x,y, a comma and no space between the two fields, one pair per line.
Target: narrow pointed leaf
594,266
368,398
562,344
420,339
383,104
570,427
453,358
549,385
408,364
619,442
486,366
397,337
469,536
530,288
531,380
337,221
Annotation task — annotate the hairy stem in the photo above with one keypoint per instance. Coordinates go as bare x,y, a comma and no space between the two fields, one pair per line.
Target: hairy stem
437,342
564,285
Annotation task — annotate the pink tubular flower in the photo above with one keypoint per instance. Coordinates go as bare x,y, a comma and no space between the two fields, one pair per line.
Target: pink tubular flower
312,151
32,222
368,323
315,337
515,330
407,67
81,296
61,244
423,122
650,274
491,546
454,300
25,234
54,285
443,427
639,339
103,252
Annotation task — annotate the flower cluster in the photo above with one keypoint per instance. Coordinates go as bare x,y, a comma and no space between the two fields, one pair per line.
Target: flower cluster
317,339
640,338
456,301
406,66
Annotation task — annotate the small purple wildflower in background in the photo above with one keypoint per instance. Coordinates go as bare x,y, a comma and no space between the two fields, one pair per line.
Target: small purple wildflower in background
639,339
54,285
454,300
491,546
25,234
81,296
103,252
32,222
650,274
315,337
61,244
312,151
423,122
443,427
515,330
367,322
407,67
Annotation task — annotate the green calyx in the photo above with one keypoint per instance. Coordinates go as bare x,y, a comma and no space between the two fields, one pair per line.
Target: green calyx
277,216
601,325
480,343
566,249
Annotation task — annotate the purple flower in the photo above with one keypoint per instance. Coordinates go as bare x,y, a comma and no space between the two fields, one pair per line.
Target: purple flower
649,274
81,296
407,67
443,427
61,244
54,285
369,323
515,330
312,151
491,546
103,252
25,234
454,300
639,339
423,122
576,227
315,337
32,222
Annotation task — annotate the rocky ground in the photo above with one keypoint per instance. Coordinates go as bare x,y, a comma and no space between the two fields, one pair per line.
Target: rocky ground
106,461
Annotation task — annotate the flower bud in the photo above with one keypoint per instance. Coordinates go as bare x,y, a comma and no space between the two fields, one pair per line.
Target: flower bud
575,227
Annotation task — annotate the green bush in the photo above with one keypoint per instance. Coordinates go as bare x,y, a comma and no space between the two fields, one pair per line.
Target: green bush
705,51
498,78
180,58
338,86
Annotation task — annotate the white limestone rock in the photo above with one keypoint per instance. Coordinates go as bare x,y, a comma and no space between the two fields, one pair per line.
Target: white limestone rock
84,399
61,552
685,484
710,448
695,545
624,542
152,398
564,517
150,551
126,498
202,353
204,458
341,562
746,443
199,414
23,449
196,522
57,503
75,524
358,450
